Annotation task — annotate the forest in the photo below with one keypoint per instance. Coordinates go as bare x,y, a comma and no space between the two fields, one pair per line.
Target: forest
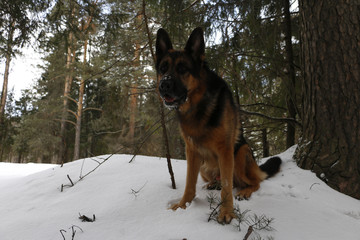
291,65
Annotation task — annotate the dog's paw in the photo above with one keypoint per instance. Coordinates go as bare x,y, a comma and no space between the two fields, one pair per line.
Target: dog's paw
243,195
226,216
178,205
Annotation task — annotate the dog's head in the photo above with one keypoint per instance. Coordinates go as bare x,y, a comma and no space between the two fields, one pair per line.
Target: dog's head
178,71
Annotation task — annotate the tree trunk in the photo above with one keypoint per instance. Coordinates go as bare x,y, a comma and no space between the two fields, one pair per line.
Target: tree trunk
80,108
68,81
265,142
5,87
331,93
133,94
7,70
134,84
290,81
84,28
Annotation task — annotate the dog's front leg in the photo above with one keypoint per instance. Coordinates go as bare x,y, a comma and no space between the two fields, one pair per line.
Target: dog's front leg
193,167
226,164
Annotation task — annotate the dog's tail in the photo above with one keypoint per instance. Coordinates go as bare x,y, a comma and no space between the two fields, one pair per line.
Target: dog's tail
271,166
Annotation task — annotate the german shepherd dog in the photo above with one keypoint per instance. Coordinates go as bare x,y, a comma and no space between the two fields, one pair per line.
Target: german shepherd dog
210,124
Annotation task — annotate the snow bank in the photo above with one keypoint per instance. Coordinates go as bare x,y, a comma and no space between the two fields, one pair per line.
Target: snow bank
130,201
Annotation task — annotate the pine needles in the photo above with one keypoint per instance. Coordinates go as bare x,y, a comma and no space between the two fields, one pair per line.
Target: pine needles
253,222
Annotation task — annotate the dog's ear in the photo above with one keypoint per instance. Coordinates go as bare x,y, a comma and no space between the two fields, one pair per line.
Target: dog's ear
195,45
163,45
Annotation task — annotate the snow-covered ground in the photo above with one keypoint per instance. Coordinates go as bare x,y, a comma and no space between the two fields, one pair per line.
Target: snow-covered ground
130,201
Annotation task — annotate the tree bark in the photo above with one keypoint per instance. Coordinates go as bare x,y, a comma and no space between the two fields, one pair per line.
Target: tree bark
330,38
85,28
265,143
133,94
80,108
70,60
290,81
7,70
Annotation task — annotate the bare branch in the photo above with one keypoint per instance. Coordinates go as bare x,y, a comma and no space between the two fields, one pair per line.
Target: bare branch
61,231
148,31
92,108
72,184
286,120
262,104
190,6
73,113
68,121
73,100
249,231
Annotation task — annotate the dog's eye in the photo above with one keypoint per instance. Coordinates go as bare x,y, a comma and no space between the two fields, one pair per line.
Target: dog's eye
181,68
164,67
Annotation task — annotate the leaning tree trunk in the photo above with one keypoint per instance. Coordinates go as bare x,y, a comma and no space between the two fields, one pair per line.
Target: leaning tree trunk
331,93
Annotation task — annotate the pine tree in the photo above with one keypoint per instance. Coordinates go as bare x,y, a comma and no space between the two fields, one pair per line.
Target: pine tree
331,93
17,24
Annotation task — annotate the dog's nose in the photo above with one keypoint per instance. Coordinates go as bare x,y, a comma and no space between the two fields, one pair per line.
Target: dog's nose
166,85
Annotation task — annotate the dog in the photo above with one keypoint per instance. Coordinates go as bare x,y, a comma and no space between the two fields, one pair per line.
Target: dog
210,124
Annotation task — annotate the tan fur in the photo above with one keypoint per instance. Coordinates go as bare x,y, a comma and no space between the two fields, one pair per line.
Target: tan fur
213,155
209,149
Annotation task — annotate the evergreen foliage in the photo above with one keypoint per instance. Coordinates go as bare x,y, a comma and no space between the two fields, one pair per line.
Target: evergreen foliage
120,112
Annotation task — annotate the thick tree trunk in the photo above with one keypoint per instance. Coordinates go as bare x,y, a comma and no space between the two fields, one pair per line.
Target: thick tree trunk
331,93
290,81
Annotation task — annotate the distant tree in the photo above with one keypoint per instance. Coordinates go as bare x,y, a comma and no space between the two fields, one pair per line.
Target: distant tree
16,26
331,93
86,27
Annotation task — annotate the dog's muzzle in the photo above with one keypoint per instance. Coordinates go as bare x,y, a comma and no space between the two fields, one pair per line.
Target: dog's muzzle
172,91
166,85
166,89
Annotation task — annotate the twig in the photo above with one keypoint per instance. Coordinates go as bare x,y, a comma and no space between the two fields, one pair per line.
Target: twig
214,213
165,137
136,192
261,223
74,231
72,184
249,231
314,184
287,120
148,134
190,6
61,231
262,105
82,177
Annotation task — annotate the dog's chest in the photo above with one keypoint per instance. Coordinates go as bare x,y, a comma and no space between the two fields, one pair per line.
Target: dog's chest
200,146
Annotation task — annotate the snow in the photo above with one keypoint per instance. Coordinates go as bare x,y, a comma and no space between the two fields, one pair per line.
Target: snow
130,201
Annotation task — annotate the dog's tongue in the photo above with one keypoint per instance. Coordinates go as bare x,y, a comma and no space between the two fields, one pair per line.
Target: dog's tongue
169,99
